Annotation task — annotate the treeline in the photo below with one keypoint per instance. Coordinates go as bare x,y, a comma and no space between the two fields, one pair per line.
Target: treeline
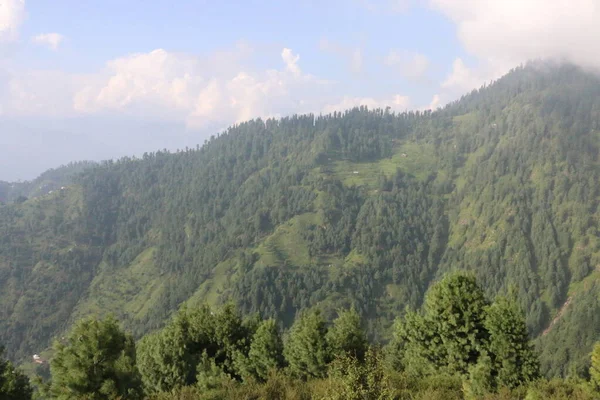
458,345
49,181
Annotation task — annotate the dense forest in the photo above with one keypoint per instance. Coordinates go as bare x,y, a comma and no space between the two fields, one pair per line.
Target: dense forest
46,183
361,209
459,345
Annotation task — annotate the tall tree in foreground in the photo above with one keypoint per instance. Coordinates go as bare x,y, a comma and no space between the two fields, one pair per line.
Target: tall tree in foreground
514,360
266,351
595,367
449,334
306,349
459,332
346,336
14,385
97,361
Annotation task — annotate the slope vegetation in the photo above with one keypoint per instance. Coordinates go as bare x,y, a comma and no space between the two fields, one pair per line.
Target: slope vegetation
364,208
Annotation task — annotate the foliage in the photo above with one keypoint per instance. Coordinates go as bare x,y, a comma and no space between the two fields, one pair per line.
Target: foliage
14,385
96,361
266,351
595,367
306,349
346,336
459,332
361,208
450,334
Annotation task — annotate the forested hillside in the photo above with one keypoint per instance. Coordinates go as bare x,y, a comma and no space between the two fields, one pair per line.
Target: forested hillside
362,208
48,182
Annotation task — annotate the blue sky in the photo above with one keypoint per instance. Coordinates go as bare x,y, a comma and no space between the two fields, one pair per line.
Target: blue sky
102,79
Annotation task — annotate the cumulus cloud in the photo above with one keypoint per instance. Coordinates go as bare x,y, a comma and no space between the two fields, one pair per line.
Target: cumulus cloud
291,61
397,103
50,40
435,102
12,13
499,35
204,93
463,79
512,31
412,66
167,85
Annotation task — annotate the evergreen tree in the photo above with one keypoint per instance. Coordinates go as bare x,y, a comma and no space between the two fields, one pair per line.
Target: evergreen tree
595,367
164,361
514,359
450,333
14,385
346,336
266,351
97,361
306,350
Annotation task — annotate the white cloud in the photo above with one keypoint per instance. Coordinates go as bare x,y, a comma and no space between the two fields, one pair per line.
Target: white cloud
513,31
206,93
435,102
291,61
499,35
12,13
412,66
396,103
503,34
174,86
51,40
463,79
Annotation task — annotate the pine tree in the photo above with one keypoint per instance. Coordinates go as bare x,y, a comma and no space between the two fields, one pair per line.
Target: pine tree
306,350
14,385
595,367
96,361
266,350
450,333
346,336
513,357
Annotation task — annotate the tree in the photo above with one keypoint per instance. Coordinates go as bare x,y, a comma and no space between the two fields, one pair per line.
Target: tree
306,350
163,360
595,366
513,358
266,351
359,380
14,385
450,333
97,361
346,336
189,346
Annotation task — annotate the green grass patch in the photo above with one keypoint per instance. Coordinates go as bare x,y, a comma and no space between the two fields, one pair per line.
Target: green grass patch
413,158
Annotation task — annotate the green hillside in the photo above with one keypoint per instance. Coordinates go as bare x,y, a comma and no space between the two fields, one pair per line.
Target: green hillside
364,208
47,183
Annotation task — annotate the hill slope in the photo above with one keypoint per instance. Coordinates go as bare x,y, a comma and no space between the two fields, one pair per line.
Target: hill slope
47,182
362,208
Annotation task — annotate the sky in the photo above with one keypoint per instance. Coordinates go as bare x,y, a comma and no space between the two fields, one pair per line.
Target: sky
99,79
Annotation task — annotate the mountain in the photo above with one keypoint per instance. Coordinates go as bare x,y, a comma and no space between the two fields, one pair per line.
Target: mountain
363,207
49,181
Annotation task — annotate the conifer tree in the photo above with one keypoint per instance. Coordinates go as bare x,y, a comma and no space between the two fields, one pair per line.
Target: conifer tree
266,350
306,350
514,359
14,385
346,336
97,361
